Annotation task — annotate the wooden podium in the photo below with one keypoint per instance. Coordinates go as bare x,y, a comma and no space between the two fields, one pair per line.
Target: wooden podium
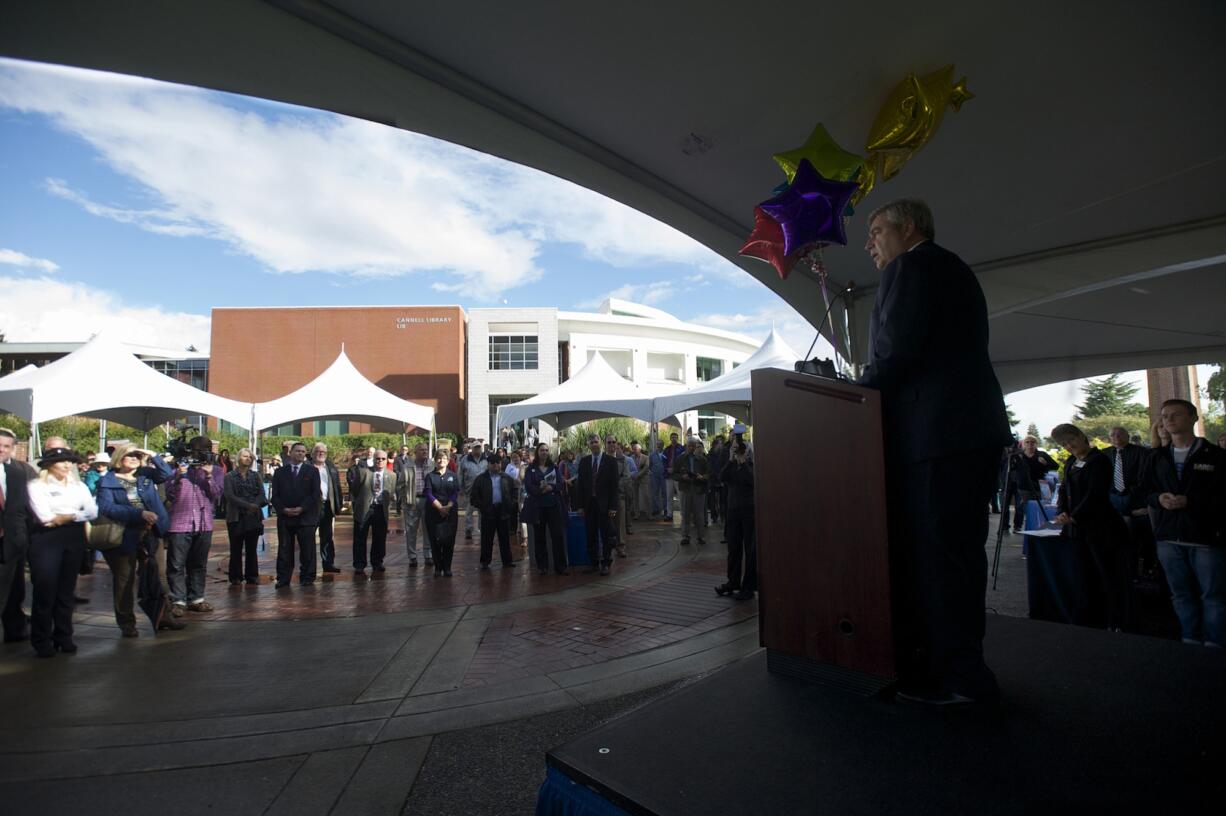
823,554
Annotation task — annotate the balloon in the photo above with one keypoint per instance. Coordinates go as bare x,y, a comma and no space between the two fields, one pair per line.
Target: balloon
909,118
811,209
766,243
827,158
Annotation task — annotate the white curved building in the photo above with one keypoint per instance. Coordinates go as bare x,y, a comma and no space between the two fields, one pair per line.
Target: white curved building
518,353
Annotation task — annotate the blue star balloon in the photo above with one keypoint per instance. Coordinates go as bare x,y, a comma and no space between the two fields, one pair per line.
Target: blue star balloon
810,210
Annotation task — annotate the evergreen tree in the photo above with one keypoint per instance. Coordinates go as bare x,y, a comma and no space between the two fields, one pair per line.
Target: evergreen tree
1033,430
1109,396
1012,417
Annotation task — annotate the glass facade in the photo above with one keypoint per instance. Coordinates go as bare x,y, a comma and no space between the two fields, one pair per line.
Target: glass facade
709,369
513,352
193,372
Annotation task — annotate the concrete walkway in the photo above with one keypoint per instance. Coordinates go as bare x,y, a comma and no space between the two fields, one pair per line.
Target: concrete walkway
325,699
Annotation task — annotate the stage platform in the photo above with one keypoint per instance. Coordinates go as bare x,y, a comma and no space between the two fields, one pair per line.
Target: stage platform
1092,722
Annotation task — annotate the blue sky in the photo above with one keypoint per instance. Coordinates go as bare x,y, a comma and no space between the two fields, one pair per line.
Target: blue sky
129,198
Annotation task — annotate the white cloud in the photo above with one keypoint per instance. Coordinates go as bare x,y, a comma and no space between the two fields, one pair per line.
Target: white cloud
794,329
303,190
47,309
11,257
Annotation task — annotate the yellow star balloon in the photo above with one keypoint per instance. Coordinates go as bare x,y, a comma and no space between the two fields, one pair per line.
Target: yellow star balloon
910,117
824,153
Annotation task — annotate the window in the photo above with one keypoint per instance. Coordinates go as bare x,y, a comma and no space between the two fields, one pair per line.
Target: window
520,430
709,369
331,427
710,424
512,352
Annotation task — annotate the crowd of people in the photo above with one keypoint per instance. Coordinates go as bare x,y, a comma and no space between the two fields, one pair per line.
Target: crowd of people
145,512
1134,508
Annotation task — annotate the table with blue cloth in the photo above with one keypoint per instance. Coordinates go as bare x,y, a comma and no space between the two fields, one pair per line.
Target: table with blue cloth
559,795
1058,573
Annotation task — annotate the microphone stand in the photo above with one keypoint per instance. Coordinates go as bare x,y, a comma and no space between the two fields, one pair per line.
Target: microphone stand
1004,517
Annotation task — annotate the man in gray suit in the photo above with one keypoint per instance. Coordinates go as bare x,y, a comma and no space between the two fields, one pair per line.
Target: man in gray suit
371,492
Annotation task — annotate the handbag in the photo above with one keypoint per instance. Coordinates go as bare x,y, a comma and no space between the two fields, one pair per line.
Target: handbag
103,534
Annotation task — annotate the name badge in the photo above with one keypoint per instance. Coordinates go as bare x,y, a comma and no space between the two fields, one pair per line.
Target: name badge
1204,466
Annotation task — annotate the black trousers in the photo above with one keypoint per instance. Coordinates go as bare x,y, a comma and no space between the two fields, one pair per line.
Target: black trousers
441,533
374,526
742,550
327,544
244,562
495,524
596,522
13,618
55,557
938,532
550,519
302,536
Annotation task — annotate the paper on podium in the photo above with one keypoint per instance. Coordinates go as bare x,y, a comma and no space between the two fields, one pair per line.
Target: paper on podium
1046,532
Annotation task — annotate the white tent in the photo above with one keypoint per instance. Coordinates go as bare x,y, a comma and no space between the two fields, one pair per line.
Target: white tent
595,392
729,393
104,380
341,392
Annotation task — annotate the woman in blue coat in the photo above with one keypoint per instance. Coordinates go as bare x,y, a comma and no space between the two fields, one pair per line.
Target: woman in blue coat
545,509
127,495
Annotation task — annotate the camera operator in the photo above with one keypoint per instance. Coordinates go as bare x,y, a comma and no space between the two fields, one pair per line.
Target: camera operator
191,491
1026,471
737,478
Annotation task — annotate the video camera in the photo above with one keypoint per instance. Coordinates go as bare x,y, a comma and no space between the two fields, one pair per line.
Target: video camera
197,450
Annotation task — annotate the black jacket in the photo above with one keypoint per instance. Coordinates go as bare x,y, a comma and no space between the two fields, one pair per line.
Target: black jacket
738,479
16,513
1203,482
482,494
928,337
1027,471
1085,494
606,485
1136,459
303,491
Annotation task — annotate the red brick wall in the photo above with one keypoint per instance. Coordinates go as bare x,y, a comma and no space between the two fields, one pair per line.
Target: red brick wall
415,352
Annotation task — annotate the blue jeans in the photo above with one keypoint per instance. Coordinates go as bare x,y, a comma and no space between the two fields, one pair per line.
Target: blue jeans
1197,577
657,493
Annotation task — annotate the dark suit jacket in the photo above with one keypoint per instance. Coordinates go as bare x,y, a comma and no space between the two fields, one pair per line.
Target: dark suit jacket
302,491
1135,460
606,484
334,489
16,513
362,492
482,495
928,337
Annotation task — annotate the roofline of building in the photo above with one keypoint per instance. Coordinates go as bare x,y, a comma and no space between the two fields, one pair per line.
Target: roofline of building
671,326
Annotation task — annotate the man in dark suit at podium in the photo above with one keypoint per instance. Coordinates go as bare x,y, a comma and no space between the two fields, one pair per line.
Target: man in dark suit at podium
943,418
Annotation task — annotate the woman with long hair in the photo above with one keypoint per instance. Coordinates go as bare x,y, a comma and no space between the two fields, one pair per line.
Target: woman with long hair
1159,437
59,507
545,508
244,496
128,496
442,492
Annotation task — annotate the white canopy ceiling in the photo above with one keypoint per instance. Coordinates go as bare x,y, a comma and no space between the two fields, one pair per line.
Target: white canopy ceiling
104,380
1082,182
341,392
596,391
729,393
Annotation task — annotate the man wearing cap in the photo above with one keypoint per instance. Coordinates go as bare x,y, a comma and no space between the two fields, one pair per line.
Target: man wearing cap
691,474
14,538
944,427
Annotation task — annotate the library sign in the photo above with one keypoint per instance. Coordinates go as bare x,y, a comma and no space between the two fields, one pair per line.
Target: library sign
406,322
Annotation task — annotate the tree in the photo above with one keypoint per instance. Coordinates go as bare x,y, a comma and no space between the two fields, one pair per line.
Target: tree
1033,430
1216,387
1109,396
1012,417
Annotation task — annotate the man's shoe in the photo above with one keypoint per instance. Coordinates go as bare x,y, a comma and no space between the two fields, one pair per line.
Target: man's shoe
701,543
281,584
332,569
485,567
129,632
543,571
199,606
743,595
235,581
507,564
429,562
180,609
413,564
171,624
67,647
685,541
379,568
446,573
724,589
307,582
468,535
44,650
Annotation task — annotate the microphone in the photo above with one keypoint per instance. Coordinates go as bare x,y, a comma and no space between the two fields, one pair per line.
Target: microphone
823,368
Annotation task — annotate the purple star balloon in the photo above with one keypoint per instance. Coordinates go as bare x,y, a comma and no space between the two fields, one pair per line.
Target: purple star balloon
811,209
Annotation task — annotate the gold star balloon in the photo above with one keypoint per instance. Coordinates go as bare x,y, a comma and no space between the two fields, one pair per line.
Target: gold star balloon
833,162
910,117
